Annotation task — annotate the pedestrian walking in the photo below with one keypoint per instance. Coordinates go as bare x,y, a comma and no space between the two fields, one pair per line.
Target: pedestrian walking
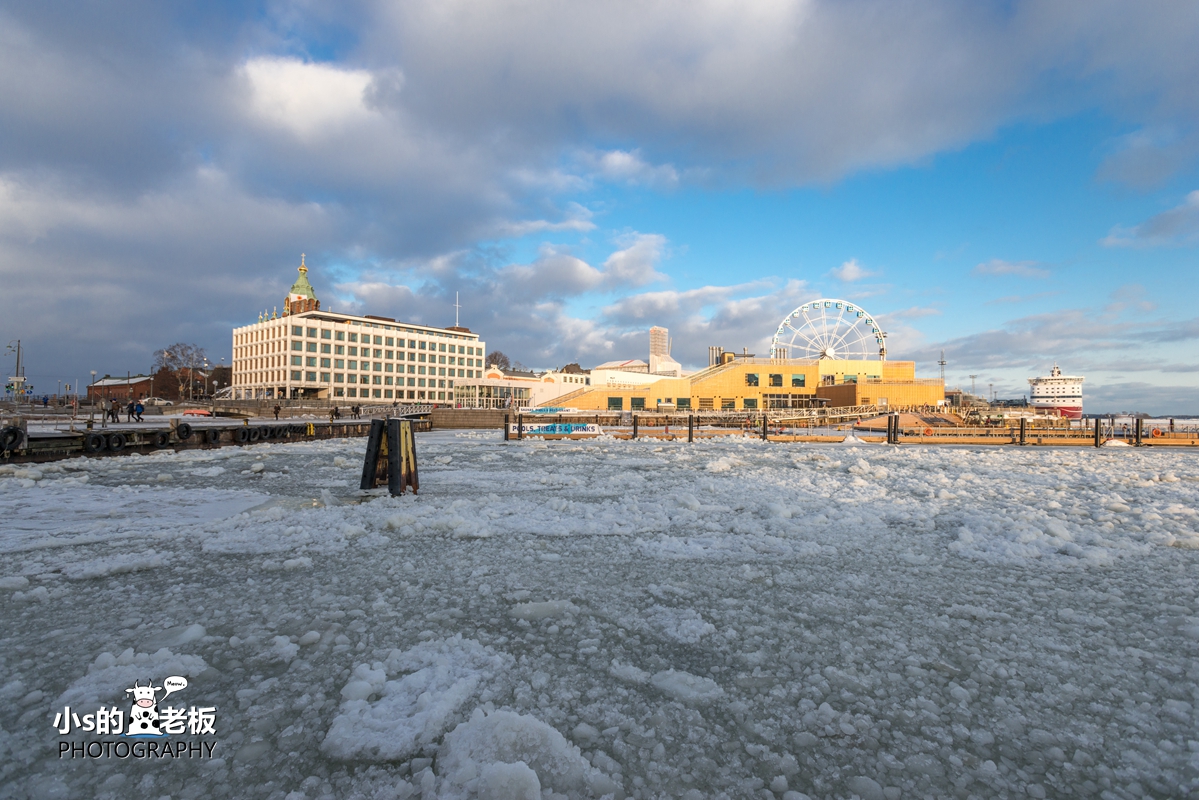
138,409
114,410
129,410
278,408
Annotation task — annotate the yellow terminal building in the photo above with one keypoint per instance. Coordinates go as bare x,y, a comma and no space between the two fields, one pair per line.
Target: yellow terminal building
825,353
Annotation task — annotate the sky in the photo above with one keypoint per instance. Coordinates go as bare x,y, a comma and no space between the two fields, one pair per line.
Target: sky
1012,183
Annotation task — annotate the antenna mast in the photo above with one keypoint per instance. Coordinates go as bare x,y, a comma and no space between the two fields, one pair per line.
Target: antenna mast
942,363
456,308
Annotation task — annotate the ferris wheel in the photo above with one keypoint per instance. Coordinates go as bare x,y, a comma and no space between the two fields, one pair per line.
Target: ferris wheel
828,328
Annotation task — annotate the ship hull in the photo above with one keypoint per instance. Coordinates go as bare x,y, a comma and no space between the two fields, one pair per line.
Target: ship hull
1069,412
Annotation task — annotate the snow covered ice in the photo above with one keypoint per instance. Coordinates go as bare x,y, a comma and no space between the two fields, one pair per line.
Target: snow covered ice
625,619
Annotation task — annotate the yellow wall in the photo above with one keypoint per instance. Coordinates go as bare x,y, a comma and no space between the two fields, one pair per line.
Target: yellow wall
898,393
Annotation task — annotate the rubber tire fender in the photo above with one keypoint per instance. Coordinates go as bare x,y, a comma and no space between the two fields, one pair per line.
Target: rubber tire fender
162,439
116,442
268,432
9,437
255,434
93,443
241,435
184,431
212,435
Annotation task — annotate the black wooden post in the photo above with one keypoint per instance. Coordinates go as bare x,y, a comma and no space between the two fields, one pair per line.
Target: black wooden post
505,427
764,427
1023,430
1139,430
634,426
520,426
1098,435
691,428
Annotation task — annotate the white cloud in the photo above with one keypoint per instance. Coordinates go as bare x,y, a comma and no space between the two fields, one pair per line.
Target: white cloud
1021,269
850,271
634,264
307,99
1177,226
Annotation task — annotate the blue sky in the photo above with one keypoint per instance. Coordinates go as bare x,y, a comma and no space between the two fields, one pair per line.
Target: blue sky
1011,182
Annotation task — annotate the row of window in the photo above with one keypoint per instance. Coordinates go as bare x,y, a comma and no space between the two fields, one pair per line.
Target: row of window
377,380
797,381
389,341
391,355
388,394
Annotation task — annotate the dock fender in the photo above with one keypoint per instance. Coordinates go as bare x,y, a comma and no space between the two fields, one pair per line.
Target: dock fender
183,431
116,442
9,437
93,443
212,435
255,434
162,439
241,435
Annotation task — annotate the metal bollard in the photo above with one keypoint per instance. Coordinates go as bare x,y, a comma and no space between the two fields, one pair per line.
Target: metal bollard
1139,429
690,428
634,426
1023,430
1098,434
520,426
505,427
764,429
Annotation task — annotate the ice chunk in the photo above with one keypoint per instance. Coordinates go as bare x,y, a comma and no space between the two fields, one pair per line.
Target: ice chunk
686,687
415,709
485,741
550,608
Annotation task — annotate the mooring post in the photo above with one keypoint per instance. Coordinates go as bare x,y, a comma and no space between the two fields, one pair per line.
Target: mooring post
520,426
691,428
1098,434
764,427
1023,430
634,426
1138,430
505,427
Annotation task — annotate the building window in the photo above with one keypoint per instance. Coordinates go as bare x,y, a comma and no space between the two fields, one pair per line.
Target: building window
378,393
411,394
326,334
387,380
353,337
683,402
387,393
339,363
798,381
387,367
441,395
339,392
411,370
311,361
411,344
339,377
422,357
324,377
776,380
441,370
378,366
751,379
310,376
353,351
420,382
636,403
296,330
340,350
325,363
353,364
441,359
422,347
378,380
312,332
378,340
420,370
297,361
341,336
326,348
728,405
352,392
295,374
412,381
750,403
297,346
390,342
352,378
312,347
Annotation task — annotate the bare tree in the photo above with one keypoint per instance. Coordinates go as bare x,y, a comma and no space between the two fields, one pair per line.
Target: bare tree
496,358
183,360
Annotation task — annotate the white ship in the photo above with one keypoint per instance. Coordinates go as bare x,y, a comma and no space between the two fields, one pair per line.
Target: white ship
1057,393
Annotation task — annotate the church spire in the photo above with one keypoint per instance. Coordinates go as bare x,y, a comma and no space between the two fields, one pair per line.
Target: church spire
302,296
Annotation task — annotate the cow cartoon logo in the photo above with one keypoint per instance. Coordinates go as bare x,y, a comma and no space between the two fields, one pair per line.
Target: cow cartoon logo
143,715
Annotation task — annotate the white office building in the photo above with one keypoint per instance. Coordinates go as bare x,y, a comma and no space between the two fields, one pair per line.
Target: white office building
307,352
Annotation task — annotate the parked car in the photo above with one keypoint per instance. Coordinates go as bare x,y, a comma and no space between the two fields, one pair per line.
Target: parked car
156,401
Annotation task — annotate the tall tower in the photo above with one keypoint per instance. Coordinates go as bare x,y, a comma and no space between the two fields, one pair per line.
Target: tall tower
302,297
659,341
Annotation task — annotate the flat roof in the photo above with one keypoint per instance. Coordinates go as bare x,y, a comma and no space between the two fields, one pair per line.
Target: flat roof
369,321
